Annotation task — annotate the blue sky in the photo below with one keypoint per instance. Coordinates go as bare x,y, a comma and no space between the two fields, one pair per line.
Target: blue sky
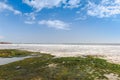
60,21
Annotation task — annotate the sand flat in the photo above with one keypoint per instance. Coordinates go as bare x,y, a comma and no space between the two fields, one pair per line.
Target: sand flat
110,52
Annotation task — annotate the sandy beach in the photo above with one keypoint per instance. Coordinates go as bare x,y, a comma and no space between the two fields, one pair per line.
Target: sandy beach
108,52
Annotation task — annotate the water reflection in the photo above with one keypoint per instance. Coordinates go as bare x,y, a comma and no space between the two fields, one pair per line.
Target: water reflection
9,60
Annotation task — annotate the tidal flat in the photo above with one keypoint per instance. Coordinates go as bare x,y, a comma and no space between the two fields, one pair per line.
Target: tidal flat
111,52
48,67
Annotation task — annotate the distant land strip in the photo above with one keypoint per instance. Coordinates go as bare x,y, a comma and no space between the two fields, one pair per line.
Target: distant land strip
5,43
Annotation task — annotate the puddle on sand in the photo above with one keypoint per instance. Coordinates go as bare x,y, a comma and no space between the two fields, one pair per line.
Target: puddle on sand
9,60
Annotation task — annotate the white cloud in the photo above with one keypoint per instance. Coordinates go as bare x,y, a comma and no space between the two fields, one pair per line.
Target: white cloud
30,16
105,8
4,6
29,22
40,4
81,18
57,24
72,4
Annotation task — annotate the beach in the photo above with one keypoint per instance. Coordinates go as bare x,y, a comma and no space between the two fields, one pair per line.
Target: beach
108,52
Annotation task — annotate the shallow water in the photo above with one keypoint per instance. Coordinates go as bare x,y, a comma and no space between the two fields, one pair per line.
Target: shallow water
9,60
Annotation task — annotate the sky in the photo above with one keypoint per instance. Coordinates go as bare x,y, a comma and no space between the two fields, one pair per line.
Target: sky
60,21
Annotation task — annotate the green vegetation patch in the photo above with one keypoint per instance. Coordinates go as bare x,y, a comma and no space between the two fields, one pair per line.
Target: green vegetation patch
48,67
14,53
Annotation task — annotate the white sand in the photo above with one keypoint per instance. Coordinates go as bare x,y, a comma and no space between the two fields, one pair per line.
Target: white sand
111,52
